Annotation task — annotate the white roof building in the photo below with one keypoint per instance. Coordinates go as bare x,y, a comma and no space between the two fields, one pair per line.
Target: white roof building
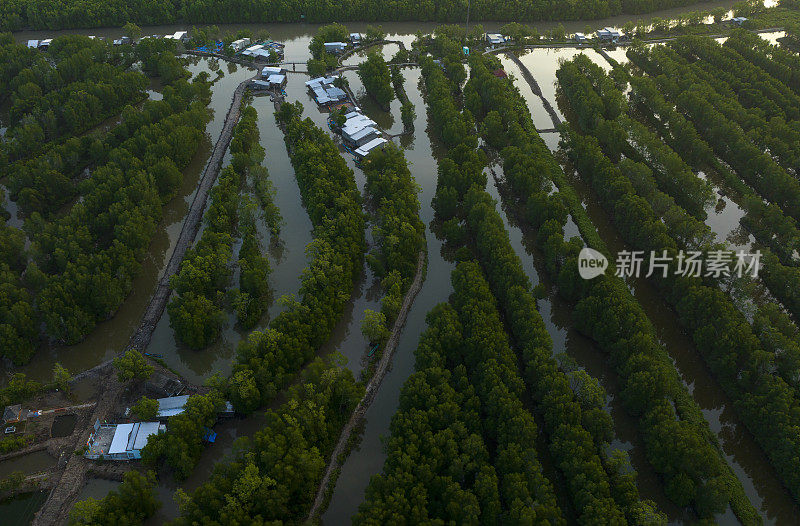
360,137
259,84
33,44
324,91
356,37
253,49
335,47
260,53
121,441
276,81
46,42
178,35
171,406
240,44
579,37
357,122
364,150
320,81
608,33
495,39
266,71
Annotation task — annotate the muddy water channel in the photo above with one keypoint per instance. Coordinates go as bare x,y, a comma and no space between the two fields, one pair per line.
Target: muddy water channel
111,336
288,259
368,457
743,454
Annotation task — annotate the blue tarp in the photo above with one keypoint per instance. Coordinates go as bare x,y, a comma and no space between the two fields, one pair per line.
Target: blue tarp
210,436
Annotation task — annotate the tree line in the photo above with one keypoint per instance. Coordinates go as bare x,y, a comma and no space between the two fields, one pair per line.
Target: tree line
469,220
272,476
692,466
269,359
724,119
62,14
197,309
777,233
374,74
399,233
132,502
87,82
765,220
720,331
108,189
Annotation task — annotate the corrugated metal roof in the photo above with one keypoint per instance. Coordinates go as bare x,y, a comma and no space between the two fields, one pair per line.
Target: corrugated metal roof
172,402
145,430
120,441
361,134
371,145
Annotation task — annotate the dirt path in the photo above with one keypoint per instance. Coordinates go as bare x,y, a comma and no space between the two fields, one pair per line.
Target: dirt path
535,88
141,338
69,480
371,390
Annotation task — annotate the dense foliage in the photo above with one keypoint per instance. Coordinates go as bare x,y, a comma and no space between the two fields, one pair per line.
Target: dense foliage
321,60
132,366
461,181
692,466
67,91
47,14
399,233
269,358
130,504
374,74
489,473
196,310
180,447
720,332
107,190
272,476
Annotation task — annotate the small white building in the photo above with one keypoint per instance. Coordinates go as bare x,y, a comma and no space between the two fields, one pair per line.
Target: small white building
364,150
253,49
738,21
609,34
277,81
262,53
356,38
320,81
181,36
120,441
33,44
358,138
238,45
579,37
266,71
171,406
495,39
357,122
335,47
324,92
260,84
